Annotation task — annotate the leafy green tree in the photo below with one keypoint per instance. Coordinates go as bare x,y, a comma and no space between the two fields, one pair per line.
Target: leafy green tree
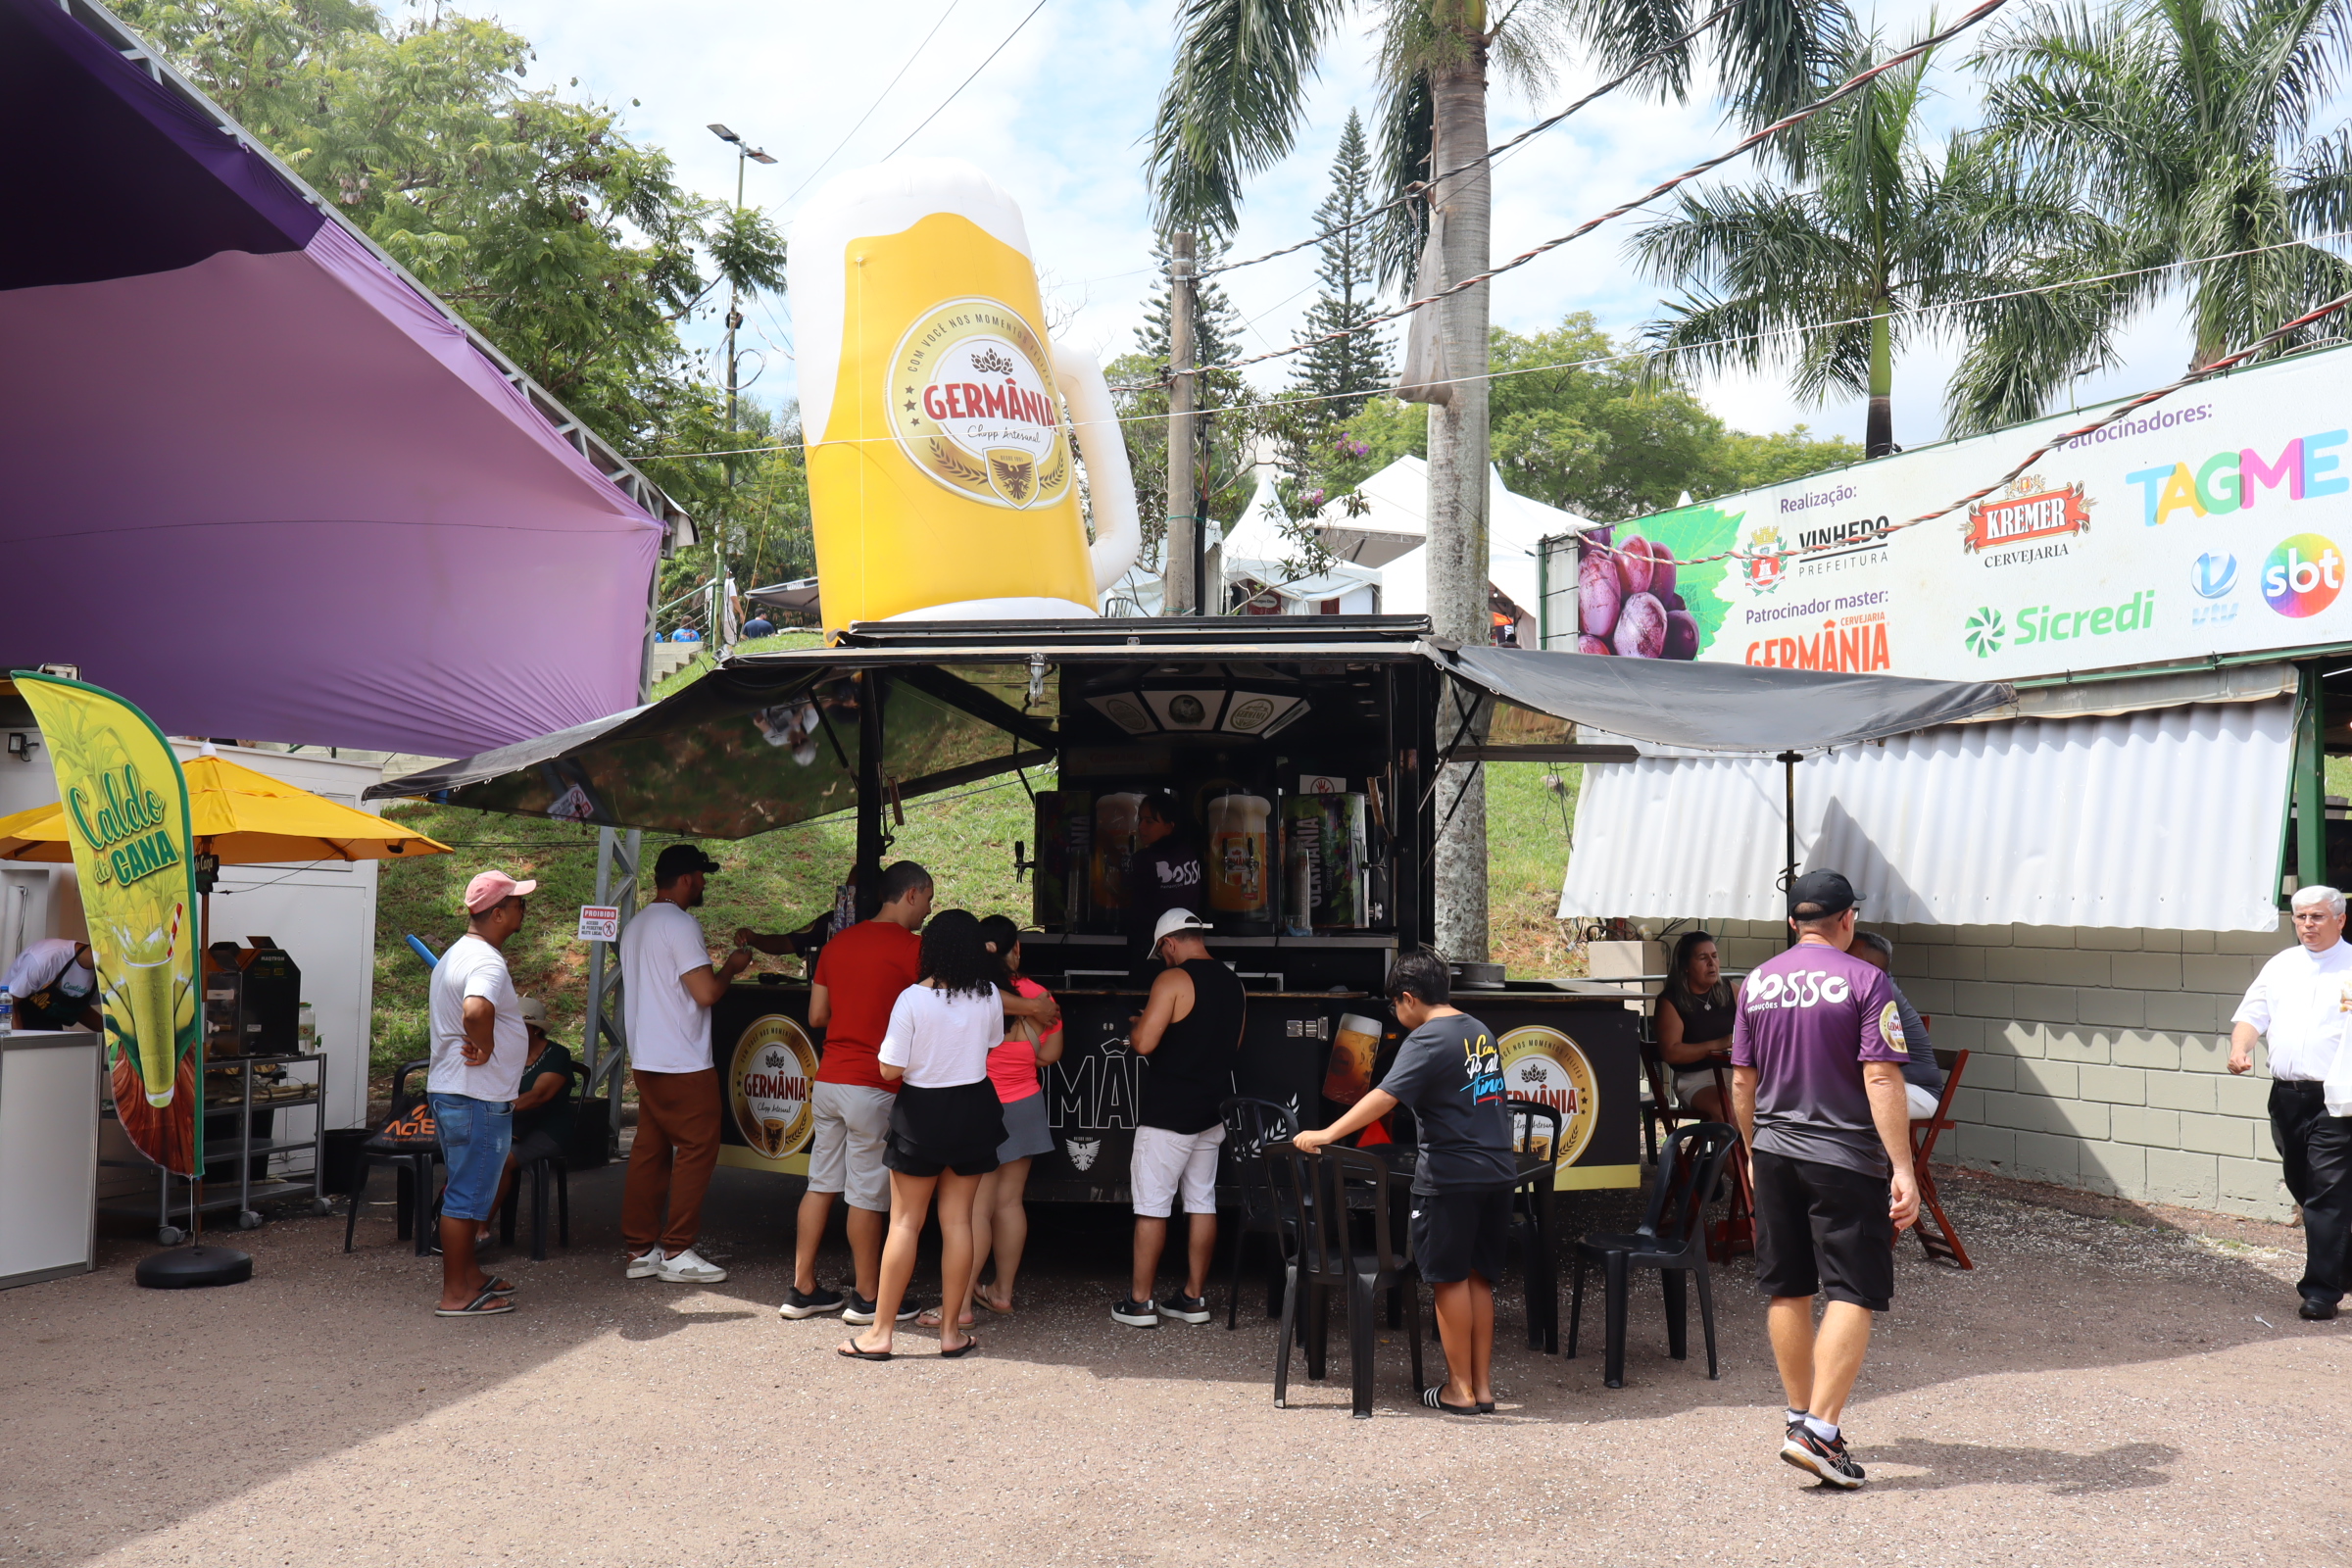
1235,99
1344,373
565,243
1822,278
2187,129
1746,462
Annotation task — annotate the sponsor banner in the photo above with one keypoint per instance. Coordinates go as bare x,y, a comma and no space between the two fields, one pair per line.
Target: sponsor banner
771,1078
126,811
2215,524
1545,1064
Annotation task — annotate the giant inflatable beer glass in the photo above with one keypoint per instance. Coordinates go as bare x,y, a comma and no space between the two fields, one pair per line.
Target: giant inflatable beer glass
941,473
126,811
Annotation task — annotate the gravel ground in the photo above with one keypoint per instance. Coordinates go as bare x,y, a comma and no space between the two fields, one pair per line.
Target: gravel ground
2111,1384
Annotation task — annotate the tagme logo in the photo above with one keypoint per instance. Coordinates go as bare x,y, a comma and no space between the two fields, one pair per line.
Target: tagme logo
1985,633
2214,574
2303,575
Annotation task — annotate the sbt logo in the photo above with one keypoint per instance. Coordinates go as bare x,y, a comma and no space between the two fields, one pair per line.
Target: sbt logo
2303,575
2048,624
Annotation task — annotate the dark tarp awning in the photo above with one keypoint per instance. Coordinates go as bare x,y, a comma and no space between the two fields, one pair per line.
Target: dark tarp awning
1717,707
772,739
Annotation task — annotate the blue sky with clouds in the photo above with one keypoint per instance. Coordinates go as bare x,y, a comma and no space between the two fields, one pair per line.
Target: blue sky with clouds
1058,119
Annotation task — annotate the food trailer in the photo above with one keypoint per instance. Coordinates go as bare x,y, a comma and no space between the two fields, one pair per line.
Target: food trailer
1309,753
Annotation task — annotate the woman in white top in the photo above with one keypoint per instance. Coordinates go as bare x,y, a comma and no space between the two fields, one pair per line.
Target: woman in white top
946,1127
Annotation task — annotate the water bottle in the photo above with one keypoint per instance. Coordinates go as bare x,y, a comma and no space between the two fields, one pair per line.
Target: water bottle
8,1011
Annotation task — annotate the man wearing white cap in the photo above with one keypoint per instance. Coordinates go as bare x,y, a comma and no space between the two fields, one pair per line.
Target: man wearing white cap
1188,1033
478,1046
2301,1003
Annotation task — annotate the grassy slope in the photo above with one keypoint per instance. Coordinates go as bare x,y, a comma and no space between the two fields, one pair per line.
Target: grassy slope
783,878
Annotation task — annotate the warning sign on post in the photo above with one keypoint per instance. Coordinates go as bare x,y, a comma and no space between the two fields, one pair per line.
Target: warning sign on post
600,922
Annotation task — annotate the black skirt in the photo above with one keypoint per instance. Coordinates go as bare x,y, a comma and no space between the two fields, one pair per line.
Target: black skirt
956,1128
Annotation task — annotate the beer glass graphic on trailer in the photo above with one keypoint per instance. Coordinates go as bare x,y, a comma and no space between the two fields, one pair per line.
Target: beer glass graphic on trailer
147,992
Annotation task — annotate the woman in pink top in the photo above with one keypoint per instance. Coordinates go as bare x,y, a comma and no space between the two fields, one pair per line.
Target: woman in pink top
998,1216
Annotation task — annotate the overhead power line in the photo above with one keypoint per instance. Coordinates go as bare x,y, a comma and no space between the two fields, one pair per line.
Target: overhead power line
1488,156
879,99
966,82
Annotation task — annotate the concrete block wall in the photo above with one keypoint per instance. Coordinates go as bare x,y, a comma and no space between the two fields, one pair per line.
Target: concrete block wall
2099,1057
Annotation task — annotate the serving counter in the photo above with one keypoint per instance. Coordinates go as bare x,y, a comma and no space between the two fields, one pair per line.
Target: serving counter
1578,1053
48,1153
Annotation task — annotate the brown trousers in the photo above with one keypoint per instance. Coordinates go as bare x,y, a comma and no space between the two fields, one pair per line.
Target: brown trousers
676,1151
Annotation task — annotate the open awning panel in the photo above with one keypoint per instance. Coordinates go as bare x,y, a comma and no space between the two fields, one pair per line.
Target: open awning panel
2167,819
258,483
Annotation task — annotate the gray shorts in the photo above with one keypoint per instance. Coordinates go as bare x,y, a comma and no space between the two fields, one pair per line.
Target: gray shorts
844,1152
1026,1132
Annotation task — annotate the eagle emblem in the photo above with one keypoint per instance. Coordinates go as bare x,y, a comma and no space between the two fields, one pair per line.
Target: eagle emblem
1012,475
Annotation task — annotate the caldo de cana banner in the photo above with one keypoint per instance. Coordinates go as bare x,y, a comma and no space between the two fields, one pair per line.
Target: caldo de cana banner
126,817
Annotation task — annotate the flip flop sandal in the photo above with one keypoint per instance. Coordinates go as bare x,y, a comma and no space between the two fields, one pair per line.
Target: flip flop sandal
482,1306
966,1349
929,1318
1000,1311
498,1287
849,1351
1485,1407
1434,1400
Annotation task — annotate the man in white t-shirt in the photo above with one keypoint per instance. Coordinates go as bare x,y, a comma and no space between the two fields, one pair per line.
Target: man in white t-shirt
2301,1001
668,986
478,1045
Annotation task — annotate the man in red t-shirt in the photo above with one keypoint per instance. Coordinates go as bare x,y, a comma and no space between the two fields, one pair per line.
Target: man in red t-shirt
859,974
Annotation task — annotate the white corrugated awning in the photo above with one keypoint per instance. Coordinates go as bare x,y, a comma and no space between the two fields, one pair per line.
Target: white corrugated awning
2167,819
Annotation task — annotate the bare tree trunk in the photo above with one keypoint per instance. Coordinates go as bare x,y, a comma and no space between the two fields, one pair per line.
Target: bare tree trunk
1459,561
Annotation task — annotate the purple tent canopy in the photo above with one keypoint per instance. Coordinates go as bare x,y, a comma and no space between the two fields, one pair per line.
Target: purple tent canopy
259,482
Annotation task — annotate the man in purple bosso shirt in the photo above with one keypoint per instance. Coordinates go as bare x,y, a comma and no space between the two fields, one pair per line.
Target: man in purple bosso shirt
1817,1083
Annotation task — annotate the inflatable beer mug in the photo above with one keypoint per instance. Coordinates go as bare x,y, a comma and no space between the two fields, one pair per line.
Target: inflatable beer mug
941,473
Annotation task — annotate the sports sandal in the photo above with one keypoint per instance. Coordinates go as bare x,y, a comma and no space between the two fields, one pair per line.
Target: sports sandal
482,1306
1434,1400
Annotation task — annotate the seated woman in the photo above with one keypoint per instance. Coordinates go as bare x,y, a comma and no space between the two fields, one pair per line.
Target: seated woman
1694,1023
543,1103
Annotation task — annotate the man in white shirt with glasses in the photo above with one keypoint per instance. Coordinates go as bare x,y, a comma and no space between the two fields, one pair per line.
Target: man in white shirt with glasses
2301,1001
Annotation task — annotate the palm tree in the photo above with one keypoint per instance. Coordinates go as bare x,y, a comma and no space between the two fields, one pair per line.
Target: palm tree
1235,100
1821,278
2185,128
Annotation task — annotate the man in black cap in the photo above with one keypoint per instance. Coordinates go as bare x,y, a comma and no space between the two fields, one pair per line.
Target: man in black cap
1817,1083
669,988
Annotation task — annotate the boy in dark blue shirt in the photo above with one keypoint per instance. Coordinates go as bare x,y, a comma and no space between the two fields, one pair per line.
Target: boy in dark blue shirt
1449,1075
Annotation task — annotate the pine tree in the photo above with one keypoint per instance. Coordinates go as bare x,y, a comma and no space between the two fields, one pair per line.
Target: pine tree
1216,324
1347,371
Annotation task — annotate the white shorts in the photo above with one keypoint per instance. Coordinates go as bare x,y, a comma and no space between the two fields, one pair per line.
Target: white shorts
844,1152
1922,1102
1689,1085
1164,1160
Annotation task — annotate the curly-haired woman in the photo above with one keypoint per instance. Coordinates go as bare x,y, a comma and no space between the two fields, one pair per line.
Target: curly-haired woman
946,1127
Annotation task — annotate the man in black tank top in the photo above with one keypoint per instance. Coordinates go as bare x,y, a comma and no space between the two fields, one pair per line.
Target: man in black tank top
1188,1033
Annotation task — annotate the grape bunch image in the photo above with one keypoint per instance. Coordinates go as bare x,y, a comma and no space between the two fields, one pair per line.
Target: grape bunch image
1626,601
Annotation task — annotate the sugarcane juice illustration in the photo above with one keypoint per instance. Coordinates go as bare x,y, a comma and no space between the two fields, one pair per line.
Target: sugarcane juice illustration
146,987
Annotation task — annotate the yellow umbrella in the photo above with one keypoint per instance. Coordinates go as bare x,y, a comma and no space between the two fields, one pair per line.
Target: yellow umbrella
246,818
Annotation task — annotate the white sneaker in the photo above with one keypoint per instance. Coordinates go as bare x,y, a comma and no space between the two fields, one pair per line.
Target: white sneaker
690,1267
645,1266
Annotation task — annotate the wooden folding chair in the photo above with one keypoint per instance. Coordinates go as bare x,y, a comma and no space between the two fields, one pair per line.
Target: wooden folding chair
1660,1110
1735,1231
1936,1232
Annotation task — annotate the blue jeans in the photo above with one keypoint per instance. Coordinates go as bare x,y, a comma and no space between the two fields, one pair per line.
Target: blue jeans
474,1138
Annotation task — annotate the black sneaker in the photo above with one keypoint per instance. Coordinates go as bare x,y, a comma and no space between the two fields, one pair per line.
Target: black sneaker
1822,1456
1137,1315
909,1308
812,1305
860,1309
1184,1309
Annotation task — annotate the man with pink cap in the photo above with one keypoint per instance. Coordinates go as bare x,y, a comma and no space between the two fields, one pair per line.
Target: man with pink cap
478,1045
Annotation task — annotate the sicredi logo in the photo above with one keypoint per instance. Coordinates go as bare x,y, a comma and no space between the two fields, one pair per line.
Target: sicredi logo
2049,623
2303,575
2213,575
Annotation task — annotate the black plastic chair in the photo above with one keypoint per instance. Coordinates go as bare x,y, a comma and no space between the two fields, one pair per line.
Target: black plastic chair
1671,1241
1536,1130
557,1166
1323,1253
410,1143
1250,1125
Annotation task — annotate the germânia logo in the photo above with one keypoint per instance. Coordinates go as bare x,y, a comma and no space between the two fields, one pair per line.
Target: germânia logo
1985,633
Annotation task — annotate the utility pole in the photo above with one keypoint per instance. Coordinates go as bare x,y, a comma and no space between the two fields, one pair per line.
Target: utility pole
1180,577
744,151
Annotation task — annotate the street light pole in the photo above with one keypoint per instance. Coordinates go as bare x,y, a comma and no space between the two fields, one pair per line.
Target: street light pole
744,149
